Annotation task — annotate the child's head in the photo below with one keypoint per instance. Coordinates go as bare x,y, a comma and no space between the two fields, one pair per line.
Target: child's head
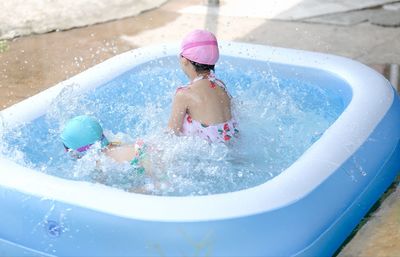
81,132
201,48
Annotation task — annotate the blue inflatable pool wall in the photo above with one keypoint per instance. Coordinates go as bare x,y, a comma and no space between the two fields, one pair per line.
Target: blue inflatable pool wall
307,210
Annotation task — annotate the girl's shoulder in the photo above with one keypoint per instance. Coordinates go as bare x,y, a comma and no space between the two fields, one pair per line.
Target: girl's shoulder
184,91
181,89
183,94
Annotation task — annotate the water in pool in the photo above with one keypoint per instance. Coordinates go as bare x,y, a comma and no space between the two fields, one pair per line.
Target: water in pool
280,114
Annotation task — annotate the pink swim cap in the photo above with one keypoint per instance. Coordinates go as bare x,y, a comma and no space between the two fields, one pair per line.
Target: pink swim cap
200,46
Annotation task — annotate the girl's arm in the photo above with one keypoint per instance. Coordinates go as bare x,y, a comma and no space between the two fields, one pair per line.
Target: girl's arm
179,108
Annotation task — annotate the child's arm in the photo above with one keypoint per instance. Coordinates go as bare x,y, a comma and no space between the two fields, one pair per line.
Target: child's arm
179,108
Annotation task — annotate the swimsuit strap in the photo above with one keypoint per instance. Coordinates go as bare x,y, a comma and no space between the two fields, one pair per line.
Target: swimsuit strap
191,82
200,77
213,80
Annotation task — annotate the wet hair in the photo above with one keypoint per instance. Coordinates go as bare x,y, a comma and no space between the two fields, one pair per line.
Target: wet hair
202,67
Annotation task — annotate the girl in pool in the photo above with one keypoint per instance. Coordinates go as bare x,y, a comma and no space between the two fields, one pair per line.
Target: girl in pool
203,106
82,132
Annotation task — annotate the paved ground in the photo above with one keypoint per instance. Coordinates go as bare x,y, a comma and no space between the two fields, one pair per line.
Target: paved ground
21,17
31,64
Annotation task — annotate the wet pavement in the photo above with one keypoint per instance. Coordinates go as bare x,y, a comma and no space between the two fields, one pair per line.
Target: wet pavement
33,63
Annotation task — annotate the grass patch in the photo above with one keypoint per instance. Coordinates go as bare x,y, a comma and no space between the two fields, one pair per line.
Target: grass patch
3,46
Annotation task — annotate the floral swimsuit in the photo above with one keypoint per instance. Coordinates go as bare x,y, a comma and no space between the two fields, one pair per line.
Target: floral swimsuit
140,152
221,132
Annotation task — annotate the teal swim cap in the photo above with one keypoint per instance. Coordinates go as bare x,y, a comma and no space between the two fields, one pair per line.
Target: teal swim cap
81,132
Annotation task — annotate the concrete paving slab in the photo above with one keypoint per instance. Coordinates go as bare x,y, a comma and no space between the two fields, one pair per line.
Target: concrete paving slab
386,18
377,16
282,10
24,17
344,19
356,42
386,51
392,7
372,240
313,8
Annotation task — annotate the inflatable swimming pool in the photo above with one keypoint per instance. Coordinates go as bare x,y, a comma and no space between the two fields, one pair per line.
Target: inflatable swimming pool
309,209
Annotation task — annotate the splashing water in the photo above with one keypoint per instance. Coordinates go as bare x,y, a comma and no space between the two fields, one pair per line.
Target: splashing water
279,117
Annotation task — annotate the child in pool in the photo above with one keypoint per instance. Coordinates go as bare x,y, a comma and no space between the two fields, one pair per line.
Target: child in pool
82,132
202,107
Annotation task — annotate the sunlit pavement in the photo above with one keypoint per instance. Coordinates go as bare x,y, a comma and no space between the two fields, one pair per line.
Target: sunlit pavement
33,63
